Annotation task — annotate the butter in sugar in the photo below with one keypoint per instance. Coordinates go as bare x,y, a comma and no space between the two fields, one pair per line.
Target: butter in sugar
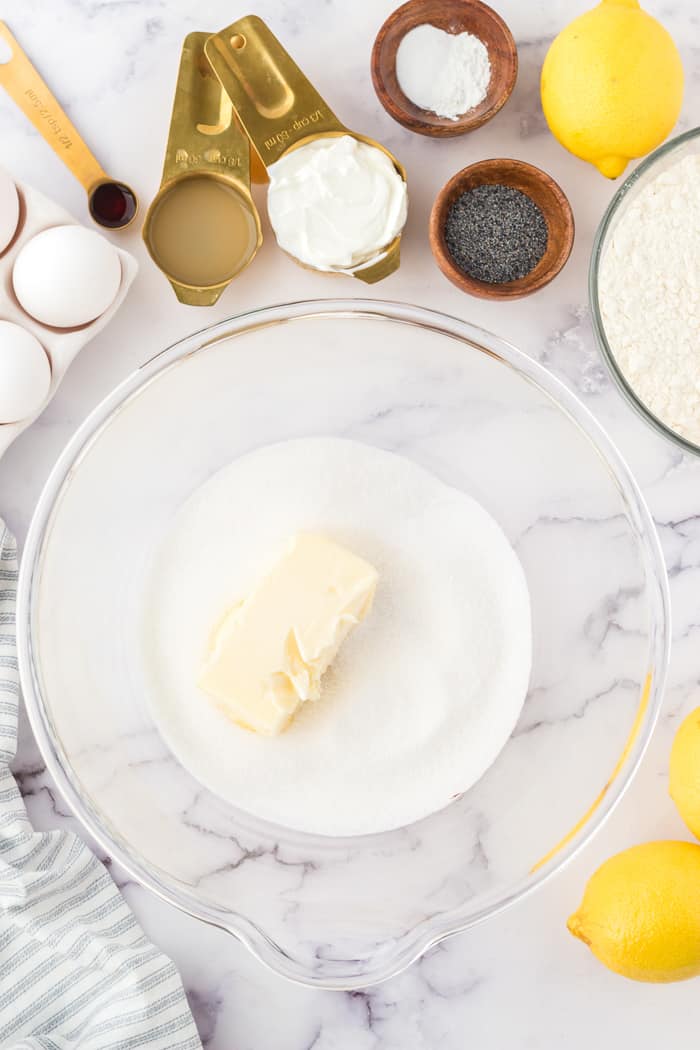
270,651
38,213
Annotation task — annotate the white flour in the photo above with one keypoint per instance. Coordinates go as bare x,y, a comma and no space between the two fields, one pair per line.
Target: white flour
424,693
445,73
650,296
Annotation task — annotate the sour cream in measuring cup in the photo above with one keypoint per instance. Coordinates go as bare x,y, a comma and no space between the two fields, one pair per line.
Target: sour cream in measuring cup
336,203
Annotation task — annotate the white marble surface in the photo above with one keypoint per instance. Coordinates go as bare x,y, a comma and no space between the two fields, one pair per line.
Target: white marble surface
519,980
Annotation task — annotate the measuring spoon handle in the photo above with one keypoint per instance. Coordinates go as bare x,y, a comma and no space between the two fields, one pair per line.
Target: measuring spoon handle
24,85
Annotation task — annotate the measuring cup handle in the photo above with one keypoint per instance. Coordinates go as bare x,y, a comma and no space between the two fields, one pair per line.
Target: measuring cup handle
204,134
26,88
276,103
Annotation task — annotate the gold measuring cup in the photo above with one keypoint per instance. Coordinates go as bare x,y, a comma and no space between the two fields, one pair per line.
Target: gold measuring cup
112,204
280,109
202,229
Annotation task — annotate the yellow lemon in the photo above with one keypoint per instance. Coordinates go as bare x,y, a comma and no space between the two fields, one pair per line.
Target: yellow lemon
684,781
640,913
612,85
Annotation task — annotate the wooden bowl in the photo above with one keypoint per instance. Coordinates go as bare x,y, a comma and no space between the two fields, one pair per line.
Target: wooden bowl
454,16
537,185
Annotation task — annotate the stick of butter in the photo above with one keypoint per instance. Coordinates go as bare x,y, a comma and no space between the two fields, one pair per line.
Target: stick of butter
270,651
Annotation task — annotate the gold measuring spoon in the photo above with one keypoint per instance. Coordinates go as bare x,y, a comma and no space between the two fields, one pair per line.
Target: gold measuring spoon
202,229
112,204
280,109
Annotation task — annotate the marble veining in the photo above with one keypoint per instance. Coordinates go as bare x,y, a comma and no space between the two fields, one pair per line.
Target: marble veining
518,980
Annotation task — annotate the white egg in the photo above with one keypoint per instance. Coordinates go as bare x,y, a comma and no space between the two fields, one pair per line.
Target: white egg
66,276
25,373
9,210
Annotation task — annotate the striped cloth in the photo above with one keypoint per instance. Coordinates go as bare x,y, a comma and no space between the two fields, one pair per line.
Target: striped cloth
75,967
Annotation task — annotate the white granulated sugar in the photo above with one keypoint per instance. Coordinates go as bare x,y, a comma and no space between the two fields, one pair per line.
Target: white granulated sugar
650,296
445,73
423,694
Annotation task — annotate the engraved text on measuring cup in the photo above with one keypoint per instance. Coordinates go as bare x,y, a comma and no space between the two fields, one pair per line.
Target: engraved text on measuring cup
299,124
211,156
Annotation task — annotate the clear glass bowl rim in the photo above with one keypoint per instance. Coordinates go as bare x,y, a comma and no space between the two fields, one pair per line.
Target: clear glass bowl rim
611,212
428,933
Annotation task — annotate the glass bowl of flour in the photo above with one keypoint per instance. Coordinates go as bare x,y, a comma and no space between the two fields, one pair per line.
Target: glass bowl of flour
643,287
476,728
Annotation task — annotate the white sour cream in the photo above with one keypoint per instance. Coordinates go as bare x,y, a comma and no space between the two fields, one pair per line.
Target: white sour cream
336,203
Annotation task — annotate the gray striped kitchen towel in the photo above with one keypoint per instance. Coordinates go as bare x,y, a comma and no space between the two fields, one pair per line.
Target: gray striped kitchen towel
75,967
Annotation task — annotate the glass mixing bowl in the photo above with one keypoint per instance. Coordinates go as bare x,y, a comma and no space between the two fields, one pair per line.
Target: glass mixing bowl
345,913
650,168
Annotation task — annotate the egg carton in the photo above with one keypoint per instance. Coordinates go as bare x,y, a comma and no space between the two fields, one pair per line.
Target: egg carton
38,213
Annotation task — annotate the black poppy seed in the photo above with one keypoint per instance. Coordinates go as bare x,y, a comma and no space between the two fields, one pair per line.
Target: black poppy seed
495,233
